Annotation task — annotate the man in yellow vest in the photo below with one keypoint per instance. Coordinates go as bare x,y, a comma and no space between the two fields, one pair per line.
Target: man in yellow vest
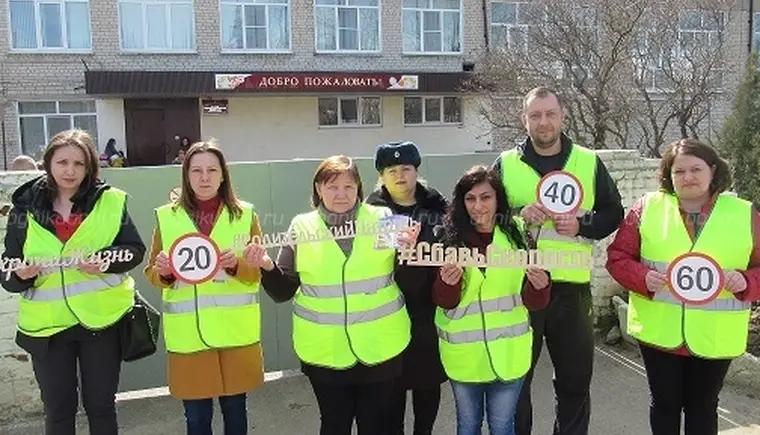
567,323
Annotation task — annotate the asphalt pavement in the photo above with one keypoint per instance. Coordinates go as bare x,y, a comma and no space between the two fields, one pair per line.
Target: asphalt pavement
286,406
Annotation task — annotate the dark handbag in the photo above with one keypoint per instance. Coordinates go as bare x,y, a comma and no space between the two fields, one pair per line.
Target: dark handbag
139,330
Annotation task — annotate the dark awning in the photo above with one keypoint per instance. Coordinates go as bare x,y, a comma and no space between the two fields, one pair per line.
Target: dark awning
198,83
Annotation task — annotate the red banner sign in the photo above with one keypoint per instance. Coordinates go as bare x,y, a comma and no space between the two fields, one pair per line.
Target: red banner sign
312,82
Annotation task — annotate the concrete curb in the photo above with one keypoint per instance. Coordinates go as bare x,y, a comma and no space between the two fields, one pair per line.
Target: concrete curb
744,371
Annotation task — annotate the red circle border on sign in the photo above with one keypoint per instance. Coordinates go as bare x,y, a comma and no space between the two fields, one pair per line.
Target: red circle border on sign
721,278
202,236
549,174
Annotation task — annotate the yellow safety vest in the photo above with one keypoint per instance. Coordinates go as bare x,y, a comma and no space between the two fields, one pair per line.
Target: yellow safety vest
521,181
714,330
223,312
348,309
487,337
64,296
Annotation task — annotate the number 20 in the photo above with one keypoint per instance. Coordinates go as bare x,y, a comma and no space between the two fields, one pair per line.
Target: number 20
194,258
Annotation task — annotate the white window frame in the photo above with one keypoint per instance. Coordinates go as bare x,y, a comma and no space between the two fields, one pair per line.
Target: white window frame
289,18
58,114
193,49
419,12
379,8
64,28
442,121
509,27
358,99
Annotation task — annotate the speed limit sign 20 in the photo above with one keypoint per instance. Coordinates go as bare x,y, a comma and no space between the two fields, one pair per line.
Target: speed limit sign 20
560,192
194,258
695,278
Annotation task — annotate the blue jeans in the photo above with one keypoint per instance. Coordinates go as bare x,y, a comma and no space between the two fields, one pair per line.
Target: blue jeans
500,399
200,413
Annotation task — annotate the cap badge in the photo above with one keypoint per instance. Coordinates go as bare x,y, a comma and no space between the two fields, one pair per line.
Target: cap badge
396,154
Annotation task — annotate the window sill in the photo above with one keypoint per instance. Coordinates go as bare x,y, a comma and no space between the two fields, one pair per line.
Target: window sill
348,53
247,51
350,126
436,124
431,53
49,51
157,51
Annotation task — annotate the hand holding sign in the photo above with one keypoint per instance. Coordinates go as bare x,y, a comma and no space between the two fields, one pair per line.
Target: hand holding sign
695,278
535,214
194,258
560,193
29,272
735,282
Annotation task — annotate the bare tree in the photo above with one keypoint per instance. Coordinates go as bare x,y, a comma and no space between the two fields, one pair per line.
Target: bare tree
603,56
678,68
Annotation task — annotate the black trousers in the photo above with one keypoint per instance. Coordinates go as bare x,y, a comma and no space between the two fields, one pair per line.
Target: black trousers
340,404
97,356
425,403
567,326
685,384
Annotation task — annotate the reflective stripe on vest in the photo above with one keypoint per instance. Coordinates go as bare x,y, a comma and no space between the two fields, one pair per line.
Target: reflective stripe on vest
221,313
76,289
364,286
63,295
211,301
521,182
728,304
718,329
352,318
487,336
347,309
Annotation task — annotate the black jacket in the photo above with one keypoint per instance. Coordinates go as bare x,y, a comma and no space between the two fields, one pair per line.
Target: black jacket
35,198
422,365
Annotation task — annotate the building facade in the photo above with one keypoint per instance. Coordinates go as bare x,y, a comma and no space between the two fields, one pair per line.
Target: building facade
269,79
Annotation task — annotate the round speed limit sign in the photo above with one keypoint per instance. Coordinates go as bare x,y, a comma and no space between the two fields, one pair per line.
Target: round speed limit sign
194,258
695,278
560,192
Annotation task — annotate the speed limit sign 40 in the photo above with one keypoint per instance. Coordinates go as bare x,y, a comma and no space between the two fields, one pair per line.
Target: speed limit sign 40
560,192
194,258
695,278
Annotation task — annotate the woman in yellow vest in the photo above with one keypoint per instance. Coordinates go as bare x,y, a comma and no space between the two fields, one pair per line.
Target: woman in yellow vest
350,325
483,328
687,348
70,309
211,329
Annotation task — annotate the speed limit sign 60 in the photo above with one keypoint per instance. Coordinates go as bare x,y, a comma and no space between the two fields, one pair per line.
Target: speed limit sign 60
560,192
194,258
695,278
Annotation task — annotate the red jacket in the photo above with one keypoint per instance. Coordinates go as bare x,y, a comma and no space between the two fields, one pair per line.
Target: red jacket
623,256
448,296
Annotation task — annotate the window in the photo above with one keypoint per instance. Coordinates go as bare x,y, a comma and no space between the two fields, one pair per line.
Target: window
41,120
432,26
432,110
50,25
509,25
756,23
700,30
347,25
256,25
157,25
344,111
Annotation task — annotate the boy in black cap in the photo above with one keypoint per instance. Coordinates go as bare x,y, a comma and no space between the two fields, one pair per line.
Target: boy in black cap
400,190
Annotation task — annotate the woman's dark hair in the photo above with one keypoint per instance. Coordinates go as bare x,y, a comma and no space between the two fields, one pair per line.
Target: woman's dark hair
226,193
76,138
691,147
330,168
457,222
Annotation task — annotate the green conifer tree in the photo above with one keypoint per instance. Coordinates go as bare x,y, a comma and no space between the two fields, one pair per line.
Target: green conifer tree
741,135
